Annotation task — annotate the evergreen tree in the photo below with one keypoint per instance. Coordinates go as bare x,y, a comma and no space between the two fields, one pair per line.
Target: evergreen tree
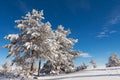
7,67
37,41
63,63
114,61
82,67
93,63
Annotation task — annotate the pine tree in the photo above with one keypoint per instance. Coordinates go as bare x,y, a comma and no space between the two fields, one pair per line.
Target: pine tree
114,61
7,67
35,40
93,63
64,61
84,66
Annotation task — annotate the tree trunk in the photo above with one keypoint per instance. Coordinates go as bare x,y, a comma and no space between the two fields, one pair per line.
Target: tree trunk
32,68
39,67
32,65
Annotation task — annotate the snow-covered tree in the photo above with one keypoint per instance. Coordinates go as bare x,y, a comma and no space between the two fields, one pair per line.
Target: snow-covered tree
83,66
58,68
93,63
113,61
37,41
7,67
24,65
64,61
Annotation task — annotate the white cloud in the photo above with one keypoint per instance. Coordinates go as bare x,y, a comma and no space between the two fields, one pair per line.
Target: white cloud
113,31
85,55
102,36
113,21
106,33
113,18
22,6
103,33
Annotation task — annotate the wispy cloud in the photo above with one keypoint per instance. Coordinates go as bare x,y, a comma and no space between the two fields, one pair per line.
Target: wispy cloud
22,6
113,19
85,55
106,33
113,31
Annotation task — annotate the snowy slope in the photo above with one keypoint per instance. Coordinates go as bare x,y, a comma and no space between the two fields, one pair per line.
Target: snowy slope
89,74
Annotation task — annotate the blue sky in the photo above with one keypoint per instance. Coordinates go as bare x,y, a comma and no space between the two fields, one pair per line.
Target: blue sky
95,23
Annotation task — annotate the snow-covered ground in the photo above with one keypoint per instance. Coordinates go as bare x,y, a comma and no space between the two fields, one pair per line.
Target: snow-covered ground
89,74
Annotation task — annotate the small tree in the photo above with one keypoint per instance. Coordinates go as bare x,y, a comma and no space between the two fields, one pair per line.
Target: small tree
24,65
93,63
113,61
7,67
82,67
